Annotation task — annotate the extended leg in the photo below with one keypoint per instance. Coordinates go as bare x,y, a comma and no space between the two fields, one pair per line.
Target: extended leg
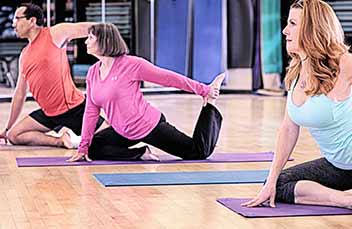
315,182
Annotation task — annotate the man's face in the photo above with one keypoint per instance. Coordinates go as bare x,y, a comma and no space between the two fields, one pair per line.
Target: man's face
21,24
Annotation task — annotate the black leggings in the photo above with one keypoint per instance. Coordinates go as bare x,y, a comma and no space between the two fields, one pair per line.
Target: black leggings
319,170
109,145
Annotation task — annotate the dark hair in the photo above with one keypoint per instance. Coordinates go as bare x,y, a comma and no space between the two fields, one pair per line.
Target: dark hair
110,41
33,10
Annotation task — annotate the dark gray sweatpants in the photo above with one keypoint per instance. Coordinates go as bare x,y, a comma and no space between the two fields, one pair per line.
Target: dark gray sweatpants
319,170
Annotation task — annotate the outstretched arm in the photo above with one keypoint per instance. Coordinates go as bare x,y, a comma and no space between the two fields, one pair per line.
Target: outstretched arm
64,32
151,73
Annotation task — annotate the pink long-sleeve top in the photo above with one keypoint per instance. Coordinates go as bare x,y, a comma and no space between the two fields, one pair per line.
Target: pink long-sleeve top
120,97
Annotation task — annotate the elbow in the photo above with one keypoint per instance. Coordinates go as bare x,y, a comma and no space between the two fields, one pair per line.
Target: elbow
289,130
19,97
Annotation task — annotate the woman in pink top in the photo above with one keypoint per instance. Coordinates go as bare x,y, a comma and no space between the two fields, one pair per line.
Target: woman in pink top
113,84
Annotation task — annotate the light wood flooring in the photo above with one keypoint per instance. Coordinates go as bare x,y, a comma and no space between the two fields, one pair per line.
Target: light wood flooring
69,197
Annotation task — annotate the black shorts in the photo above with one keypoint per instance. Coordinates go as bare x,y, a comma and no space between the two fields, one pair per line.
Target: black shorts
72,119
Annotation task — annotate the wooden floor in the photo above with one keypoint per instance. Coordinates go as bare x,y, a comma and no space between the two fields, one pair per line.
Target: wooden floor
69,197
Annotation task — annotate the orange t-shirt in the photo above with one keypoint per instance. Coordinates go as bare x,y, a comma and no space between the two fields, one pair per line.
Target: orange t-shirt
47,72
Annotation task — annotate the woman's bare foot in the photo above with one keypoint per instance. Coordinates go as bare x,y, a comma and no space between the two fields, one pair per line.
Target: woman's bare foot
149,155
215,89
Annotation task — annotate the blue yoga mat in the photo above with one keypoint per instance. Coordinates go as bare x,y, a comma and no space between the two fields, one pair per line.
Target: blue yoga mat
182,178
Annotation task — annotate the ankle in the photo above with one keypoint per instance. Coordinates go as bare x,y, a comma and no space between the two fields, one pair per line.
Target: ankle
60,142
211,101
65,141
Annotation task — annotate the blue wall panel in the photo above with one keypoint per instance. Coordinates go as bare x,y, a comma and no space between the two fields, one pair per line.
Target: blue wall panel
208,42
172,38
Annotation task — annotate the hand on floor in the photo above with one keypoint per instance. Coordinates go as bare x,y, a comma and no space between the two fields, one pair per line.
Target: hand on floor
265,196
3,136
78,157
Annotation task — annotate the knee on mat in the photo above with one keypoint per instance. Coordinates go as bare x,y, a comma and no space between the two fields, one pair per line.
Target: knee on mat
12,136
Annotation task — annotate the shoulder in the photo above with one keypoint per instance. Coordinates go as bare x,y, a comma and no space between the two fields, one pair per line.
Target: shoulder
24,50
60,28
24,55
134,62
132,59
346,59
60,34
46,31
346,67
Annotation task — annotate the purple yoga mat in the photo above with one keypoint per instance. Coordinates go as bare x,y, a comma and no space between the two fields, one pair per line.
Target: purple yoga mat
164,159
281,209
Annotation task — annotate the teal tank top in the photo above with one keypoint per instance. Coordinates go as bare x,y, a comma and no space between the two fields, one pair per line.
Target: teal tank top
330,124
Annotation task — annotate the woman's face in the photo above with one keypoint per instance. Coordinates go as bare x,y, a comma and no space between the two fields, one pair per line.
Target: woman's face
291,30
92,44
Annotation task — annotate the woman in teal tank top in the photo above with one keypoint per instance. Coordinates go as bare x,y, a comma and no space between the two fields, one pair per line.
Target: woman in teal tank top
319,79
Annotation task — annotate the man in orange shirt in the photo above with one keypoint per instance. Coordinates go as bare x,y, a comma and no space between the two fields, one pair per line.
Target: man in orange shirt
44,68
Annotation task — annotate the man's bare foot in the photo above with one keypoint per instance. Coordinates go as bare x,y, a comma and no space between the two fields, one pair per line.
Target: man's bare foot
215,88
149,155
66,140
52,133
63,136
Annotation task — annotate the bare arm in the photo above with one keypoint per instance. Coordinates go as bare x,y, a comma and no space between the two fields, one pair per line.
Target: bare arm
64,32
286,141
18,99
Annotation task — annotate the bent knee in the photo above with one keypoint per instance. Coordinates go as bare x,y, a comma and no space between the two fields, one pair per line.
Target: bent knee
285,190
12,136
